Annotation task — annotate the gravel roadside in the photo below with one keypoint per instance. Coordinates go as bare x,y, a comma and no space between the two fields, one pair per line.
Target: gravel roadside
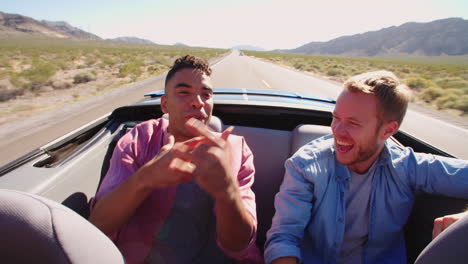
23,135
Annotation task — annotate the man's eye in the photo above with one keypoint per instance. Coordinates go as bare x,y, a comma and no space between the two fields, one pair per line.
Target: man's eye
208,95
183,92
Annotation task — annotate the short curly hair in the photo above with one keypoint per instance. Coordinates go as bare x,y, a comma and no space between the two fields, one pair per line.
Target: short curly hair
393,96
191,62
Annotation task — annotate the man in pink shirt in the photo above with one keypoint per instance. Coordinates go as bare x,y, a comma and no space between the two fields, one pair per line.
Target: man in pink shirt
175,191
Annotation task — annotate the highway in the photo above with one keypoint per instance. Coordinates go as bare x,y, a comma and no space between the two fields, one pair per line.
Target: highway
232,71
429,126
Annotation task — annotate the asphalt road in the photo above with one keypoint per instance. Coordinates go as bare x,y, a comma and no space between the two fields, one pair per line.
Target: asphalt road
22,136
442,130
236,71
233,71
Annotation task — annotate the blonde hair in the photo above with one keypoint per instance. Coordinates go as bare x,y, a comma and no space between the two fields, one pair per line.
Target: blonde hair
393,97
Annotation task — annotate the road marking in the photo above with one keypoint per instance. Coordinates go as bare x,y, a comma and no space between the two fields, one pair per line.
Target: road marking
266,84
221,59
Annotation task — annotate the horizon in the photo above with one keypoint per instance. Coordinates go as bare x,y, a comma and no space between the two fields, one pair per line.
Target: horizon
260,23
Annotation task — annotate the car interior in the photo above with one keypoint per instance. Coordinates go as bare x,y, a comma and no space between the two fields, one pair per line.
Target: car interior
38,230
273,136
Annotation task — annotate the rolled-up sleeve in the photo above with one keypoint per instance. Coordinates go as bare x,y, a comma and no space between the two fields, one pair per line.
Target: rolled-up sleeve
293,206
122,165
245,177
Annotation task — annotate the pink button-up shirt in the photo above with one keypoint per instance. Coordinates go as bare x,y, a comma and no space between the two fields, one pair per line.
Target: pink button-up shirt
135,149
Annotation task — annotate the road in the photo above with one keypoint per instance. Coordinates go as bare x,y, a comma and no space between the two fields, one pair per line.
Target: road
425,124
232,71
236,71
22,136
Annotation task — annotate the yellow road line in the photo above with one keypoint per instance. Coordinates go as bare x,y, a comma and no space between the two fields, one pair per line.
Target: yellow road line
266,84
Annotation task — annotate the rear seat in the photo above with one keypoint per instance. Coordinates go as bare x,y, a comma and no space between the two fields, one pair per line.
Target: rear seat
303,134
271,148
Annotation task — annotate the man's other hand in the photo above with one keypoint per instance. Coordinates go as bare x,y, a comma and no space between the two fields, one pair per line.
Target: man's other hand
442,223
212,161
172,166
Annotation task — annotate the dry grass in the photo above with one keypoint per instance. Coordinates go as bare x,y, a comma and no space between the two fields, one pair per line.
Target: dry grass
438,82
33,68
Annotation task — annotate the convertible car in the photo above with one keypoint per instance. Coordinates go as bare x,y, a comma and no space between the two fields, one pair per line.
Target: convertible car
68,171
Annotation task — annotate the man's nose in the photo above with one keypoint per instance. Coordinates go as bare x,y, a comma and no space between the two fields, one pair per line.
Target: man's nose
338,128
197,101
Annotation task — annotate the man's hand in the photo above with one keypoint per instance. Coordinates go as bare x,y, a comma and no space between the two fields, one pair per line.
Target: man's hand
213,162
172,166
441,223
169,168
234,225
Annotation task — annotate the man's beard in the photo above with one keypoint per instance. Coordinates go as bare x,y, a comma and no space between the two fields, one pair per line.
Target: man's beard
369,150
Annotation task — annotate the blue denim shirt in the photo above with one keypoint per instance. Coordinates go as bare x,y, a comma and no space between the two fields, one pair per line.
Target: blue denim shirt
310,219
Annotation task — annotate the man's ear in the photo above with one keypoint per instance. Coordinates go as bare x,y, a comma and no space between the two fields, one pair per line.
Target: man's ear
164,104
390,128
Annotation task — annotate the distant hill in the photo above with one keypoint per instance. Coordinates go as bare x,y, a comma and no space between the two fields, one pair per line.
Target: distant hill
248,47
17,25
132,40
441,37
181,44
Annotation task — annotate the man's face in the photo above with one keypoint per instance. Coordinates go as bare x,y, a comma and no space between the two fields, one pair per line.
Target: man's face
359,134
189,94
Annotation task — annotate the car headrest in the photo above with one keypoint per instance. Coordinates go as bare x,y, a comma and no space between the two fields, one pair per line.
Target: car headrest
305,133
215,123
37,230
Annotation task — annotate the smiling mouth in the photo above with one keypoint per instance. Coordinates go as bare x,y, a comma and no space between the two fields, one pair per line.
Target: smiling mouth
343,147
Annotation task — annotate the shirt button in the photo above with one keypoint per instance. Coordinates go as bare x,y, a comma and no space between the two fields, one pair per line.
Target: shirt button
347,179
341,193
339,177
340,220
335,245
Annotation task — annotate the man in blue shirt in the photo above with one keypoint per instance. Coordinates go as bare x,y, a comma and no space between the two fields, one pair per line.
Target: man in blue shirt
346,197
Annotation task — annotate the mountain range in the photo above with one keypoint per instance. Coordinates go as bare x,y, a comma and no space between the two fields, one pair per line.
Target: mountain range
131,40
248,47
18,25
440,37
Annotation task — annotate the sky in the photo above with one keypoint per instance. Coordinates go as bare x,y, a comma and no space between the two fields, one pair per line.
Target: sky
269,24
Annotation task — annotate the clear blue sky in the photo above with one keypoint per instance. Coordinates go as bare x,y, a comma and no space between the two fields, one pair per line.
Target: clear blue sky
270,24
